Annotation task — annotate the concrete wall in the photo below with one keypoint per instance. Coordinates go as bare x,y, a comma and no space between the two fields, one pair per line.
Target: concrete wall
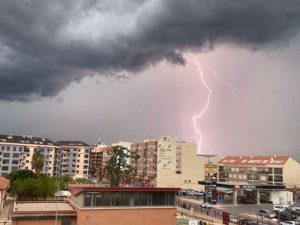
291,173
184,171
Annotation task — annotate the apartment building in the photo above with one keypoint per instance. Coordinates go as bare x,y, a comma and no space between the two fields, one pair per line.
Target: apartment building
168,162
98,159
271,170
147,164
178,164
72,158
16,153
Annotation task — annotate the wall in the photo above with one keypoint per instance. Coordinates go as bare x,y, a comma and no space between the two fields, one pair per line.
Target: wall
291,173
127,216
41,222
190,165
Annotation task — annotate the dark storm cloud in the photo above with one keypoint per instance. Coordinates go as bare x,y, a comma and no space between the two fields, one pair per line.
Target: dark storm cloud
46,45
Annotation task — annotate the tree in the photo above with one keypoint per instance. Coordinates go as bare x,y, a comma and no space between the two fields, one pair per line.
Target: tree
117,167
38,162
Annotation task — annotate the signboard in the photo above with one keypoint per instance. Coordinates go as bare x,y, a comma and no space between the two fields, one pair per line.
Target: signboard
250,187
193,222
226,218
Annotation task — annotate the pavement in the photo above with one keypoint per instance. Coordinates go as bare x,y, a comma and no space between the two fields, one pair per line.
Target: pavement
7,209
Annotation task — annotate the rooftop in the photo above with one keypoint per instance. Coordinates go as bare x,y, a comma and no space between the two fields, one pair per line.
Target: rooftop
77,189
42,206
72,143
254,160
41,209
24,139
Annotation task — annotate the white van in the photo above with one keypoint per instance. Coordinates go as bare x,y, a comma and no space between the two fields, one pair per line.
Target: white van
280,208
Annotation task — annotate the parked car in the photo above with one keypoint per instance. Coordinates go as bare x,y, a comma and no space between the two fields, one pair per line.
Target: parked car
247,222
266,213
293,211
290,223
205,205
278,208
285,216
234,219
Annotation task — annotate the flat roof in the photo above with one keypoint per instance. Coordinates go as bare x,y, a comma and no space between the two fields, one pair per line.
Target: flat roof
77,189
42,209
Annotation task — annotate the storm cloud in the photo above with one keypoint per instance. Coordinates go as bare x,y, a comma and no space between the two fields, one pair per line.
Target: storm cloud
46,45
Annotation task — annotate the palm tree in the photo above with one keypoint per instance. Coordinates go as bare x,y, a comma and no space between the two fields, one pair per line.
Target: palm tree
37,162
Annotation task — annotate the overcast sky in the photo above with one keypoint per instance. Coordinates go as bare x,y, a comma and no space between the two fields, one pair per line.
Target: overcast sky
124,70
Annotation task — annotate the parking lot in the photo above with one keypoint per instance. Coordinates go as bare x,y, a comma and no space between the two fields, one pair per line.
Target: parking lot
247,211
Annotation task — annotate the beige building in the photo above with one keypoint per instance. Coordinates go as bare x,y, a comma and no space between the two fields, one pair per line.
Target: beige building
17,151
271,170
72,159
168,162
178,164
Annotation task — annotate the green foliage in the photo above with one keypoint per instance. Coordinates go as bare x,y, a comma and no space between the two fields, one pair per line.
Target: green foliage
20,175
32,188
117,167
81,181
38,162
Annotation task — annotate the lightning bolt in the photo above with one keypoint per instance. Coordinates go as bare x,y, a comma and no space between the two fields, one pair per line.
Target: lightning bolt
206,105
197,117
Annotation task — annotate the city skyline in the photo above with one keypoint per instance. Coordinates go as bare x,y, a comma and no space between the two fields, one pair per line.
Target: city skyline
79,72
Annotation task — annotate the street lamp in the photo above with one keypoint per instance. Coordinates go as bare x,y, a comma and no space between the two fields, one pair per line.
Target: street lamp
92,205
187,195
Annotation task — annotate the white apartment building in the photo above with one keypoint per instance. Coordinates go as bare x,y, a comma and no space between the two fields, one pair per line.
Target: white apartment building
72,159
16,153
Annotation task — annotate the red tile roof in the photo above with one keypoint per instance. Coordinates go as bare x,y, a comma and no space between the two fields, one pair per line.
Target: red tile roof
4,183
253,160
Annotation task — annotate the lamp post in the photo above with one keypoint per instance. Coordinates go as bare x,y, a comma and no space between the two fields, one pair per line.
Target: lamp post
92,206
187,195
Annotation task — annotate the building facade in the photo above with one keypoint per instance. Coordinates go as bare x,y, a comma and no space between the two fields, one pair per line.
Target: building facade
147,164
272,170
168,162
16,153
178,164
72,158
132,206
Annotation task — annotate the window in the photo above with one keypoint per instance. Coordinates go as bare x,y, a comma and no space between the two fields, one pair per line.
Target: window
14,168
277,170
278,179
3,147
15,161
15,155
5,168
86,161
6,154
5,161
14,149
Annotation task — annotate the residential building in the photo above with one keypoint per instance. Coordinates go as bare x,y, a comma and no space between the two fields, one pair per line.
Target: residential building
4,185
98,159
72,158
147,164
168,162
273,170
256,179
178,164
16,153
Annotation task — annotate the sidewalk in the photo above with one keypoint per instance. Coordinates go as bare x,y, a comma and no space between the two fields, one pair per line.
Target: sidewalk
192,214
